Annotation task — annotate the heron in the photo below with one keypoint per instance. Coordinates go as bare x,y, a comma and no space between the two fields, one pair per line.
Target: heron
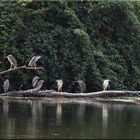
105,84
40,84
59,85
82,85
78,86
12,61
6,85
33,61
34,81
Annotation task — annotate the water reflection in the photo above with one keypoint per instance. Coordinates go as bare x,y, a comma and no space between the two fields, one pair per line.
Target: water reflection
59,111
5,108
104,119
36,111
81,112
67,118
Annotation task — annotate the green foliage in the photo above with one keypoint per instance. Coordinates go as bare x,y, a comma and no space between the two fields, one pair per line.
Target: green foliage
88,41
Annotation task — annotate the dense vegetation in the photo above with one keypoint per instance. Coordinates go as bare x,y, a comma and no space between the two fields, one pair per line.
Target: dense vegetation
88,40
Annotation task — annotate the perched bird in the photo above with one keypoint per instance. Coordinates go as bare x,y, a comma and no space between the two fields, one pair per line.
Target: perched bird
82,86
33,61
105,84
78,86
59,85
12,61
40,84
6,85
34,81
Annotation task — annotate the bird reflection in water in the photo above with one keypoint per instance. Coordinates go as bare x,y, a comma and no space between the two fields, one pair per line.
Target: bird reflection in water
36,112
104,119
81,112
59,111
9,124
5,107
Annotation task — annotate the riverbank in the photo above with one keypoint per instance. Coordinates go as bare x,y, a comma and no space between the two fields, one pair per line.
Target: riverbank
129,100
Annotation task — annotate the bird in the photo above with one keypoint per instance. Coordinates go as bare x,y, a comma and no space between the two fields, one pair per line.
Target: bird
105,84
34,81
78,86
12,61
59,85
6,85
33,61
40,84
82,85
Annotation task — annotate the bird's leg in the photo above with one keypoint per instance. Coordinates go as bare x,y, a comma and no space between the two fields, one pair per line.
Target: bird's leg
59,90
15,66
34,66
108,87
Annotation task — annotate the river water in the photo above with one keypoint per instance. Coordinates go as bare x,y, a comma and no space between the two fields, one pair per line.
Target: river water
57,118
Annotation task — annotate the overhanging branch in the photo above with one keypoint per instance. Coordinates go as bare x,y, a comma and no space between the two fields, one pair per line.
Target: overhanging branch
21,67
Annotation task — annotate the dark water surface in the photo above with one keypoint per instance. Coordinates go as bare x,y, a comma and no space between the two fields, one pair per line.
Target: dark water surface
68,119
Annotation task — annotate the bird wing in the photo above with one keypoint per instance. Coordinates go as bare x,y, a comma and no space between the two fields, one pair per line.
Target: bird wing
82,84
40,84
12,60
34,81
37,58
31,61
6,84
105,83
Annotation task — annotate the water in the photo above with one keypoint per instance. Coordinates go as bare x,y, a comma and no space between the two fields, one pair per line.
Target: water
68,119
